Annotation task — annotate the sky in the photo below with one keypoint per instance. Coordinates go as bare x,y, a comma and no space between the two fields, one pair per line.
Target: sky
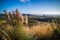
31,6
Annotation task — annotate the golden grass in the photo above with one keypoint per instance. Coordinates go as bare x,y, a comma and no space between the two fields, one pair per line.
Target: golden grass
44,29
2,21
41,30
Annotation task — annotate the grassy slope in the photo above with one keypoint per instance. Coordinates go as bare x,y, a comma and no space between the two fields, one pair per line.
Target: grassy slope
26,33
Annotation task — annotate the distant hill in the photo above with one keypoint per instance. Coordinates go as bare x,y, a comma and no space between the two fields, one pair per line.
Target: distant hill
27,14
3,15
35,17
22,14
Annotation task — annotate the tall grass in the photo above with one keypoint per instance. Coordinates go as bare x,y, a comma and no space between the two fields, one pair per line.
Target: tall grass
18,31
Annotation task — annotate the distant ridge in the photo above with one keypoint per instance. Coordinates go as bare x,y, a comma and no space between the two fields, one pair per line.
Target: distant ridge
22,14
3,15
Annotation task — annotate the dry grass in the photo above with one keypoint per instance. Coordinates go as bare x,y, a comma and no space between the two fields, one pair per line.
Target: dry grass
26,33
44,29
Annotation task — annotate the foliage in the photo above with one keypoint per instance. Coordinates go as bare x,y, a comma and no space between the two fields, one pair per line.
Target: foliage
16,31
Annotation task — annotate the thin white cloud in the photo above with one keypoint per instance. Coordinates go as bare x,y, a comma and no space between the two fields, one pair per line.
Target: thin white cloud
24,0
45,12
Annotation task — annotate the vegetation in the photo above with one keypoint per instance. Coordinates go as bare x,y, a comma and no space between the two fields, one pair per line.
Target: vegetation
18,31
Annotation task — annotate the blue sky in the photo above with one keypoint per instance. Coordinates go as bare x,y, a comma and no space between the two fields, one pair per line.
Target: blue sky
31,6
